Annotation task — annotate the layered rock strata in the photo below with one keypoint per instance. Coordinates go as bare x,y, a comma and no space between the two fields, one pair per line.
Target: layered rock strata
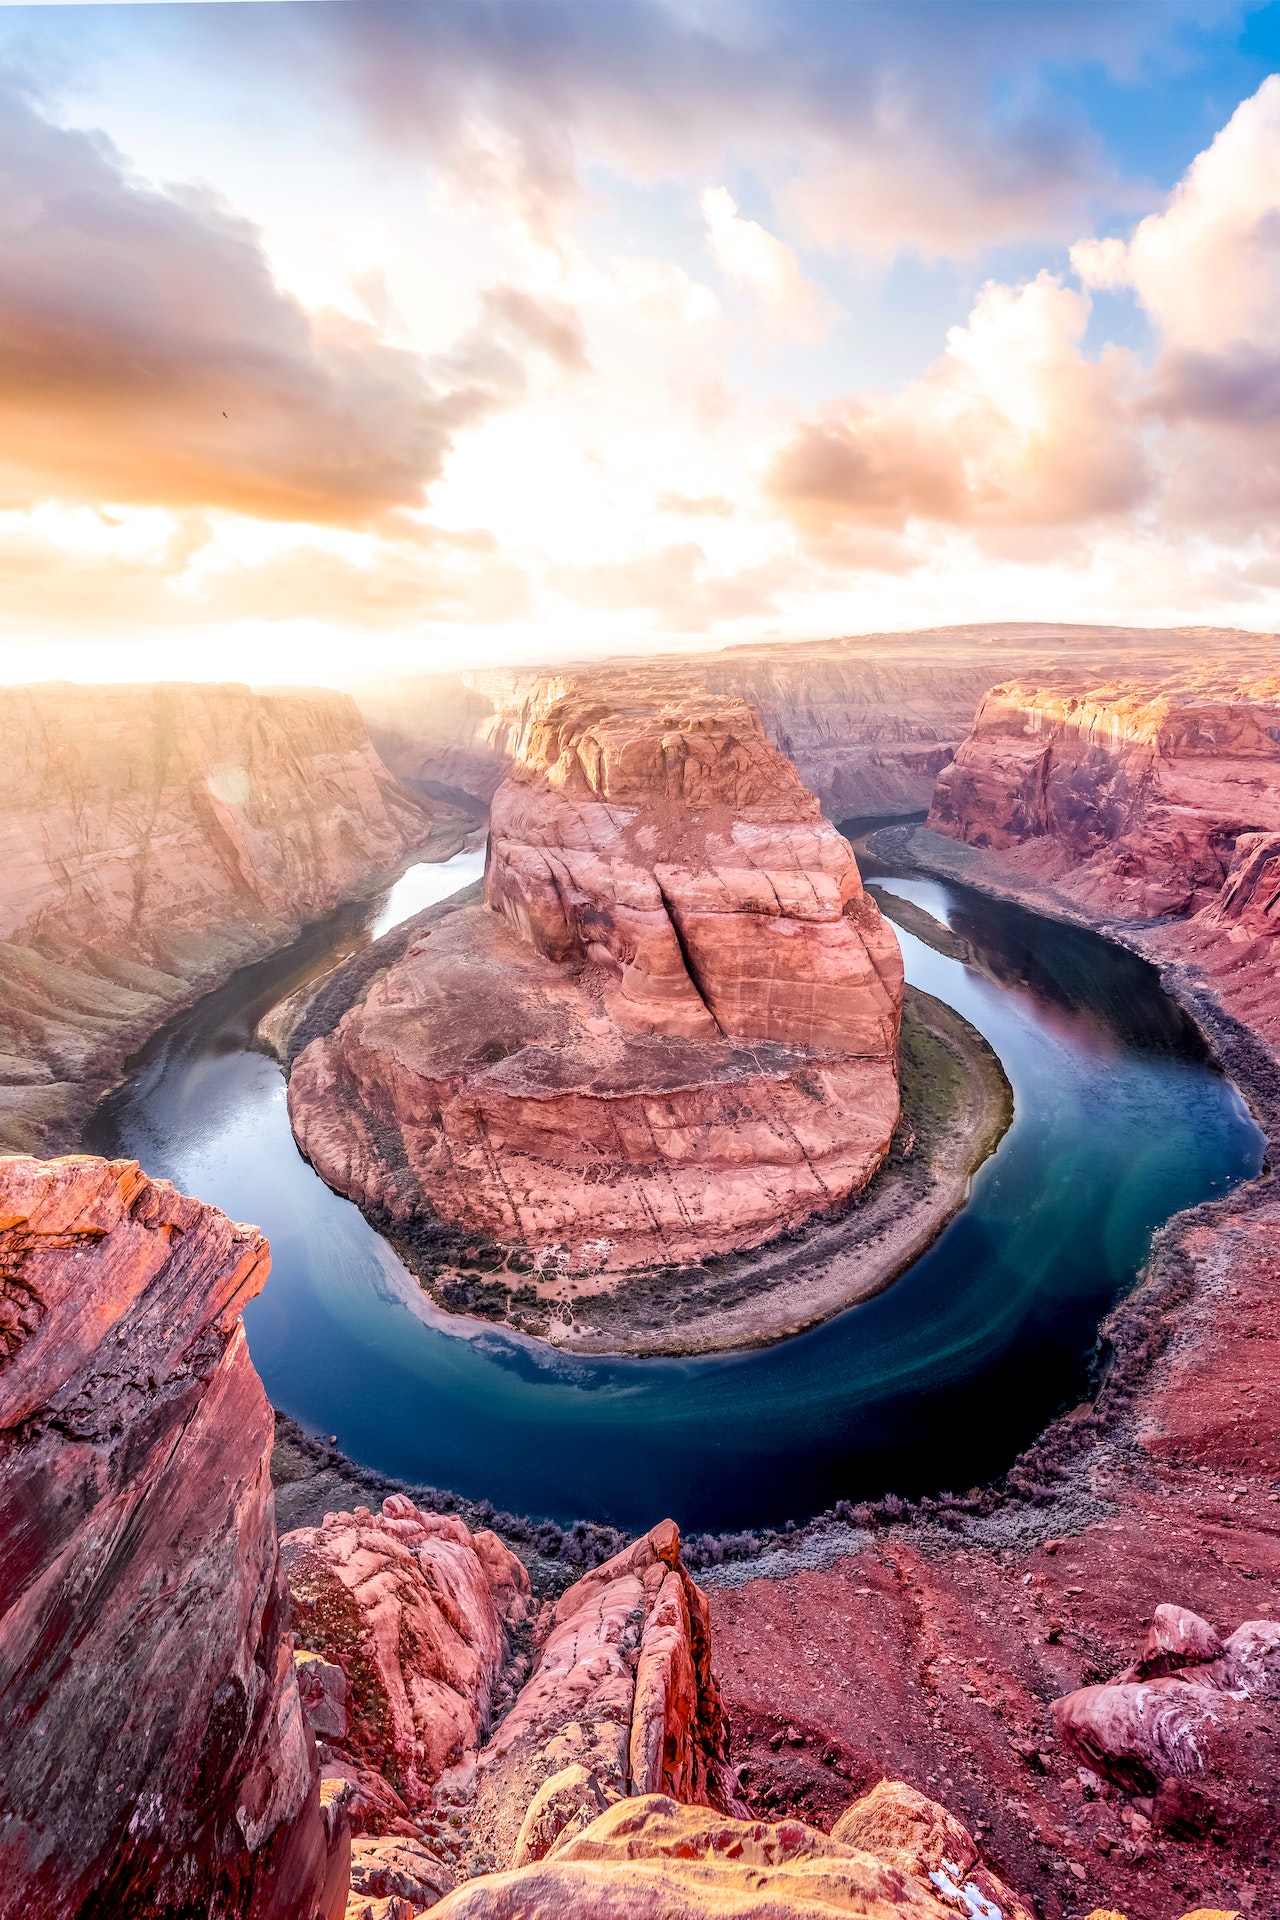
154,838
153,1753
405,1622
1154,809
1129,798
869,720
671,1032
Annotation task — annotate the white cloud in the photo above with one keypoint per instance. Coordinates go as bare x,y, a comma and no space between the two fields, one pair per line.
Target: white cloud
750,256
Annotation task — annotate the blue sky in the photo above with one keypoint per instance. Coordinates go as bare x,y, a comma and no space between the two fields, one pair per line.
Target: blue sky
547,327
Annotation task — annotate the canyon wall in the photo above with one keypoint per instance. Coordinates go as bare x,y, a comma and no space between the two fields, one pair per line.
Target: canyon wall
1155,805
869,720
153,1754
671,1031
154,838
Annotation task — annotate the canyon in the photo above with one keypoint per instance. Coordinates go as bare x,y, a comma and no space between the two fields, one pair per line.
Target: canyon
155,838
869,720
670,1032
1053,1696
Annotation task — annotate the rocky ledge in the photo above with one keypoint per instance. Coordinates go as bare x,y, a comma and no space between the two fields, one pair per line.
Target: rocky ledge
153,1754
671,1032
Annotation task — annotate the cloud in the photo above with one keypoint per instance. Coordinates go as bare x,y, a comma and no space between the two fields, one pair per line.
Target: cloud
543,322
696,506
1207,270
752,257
1012,427
870,131
147,354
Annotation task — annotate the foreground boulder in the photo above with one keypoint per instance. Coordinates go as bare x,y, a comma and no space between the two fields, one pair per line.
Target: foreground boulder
892,1856
405,1622
153,1754
672,1031
1190,1728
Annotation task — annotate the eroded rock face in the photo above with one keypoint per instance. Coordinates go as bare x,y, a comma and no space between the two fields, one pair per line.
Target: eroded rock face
869,720
153,838
673,1032
1131,797
889,1858
622,1701
405,1621
155,1758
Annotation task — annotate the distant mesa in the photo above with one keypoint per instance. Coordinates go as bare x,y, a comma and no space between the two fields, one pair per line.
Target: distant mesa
671,1030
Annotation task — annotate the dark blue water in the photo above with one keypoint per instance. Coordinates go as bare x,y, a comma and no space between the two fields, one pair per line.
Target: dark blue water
1120,1121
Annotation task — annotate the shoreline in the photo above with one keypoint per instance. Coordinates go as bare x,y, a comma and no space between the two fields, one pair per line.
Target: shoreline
793,1284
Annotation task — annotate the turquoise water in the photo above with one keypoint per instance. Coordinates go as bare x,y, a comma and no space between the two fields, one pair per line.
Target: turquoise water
1120,1120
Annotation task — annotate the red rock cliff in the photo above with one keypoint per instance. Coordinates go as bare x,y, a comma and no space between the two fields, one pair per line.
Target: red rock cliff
868,720
153,838
675,1031
155,1759
1130,798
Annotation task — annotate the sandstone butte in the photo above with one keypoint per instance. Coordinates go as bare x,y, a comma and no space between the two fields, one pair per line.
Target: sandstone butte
869,720
154,838
670,1031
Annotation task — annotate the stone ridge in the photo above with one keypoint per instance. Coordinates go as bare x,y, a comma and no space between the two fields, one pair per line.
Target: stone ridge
152,840
674,1034
155,1758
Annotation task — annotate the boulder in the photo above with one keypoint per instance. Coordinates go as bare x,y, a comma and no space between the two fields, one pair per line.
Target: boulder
1190,1726
155,1756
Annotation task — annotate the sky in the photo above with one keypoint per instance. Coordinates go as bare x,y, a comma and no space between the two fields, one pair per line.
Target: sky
349,338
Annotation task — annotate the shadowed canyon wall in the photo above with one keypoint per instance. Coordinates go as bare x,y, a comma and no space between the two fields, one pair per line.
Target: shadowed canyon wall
154,838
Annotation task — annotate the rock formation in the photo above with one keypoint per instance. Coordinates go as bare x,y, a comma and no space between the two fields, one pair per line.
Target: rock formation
869,720
154,838
1137,803
892,1856
1189,1731
153,1754
622,1701
672,1031
413,1616
1130,798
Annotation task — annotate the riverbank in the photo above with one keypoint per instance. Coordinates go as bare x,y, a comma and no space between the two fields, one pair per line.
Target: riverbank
927,1641
956,1107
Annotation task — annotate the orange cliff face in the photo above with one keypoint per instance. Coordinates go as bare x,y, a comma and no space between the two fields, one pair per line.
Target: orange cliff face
154,838
672,1031
155,1757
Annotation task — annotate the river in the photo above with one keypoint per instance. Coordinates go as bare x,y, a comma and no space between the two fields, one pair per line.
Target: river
1120,1120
